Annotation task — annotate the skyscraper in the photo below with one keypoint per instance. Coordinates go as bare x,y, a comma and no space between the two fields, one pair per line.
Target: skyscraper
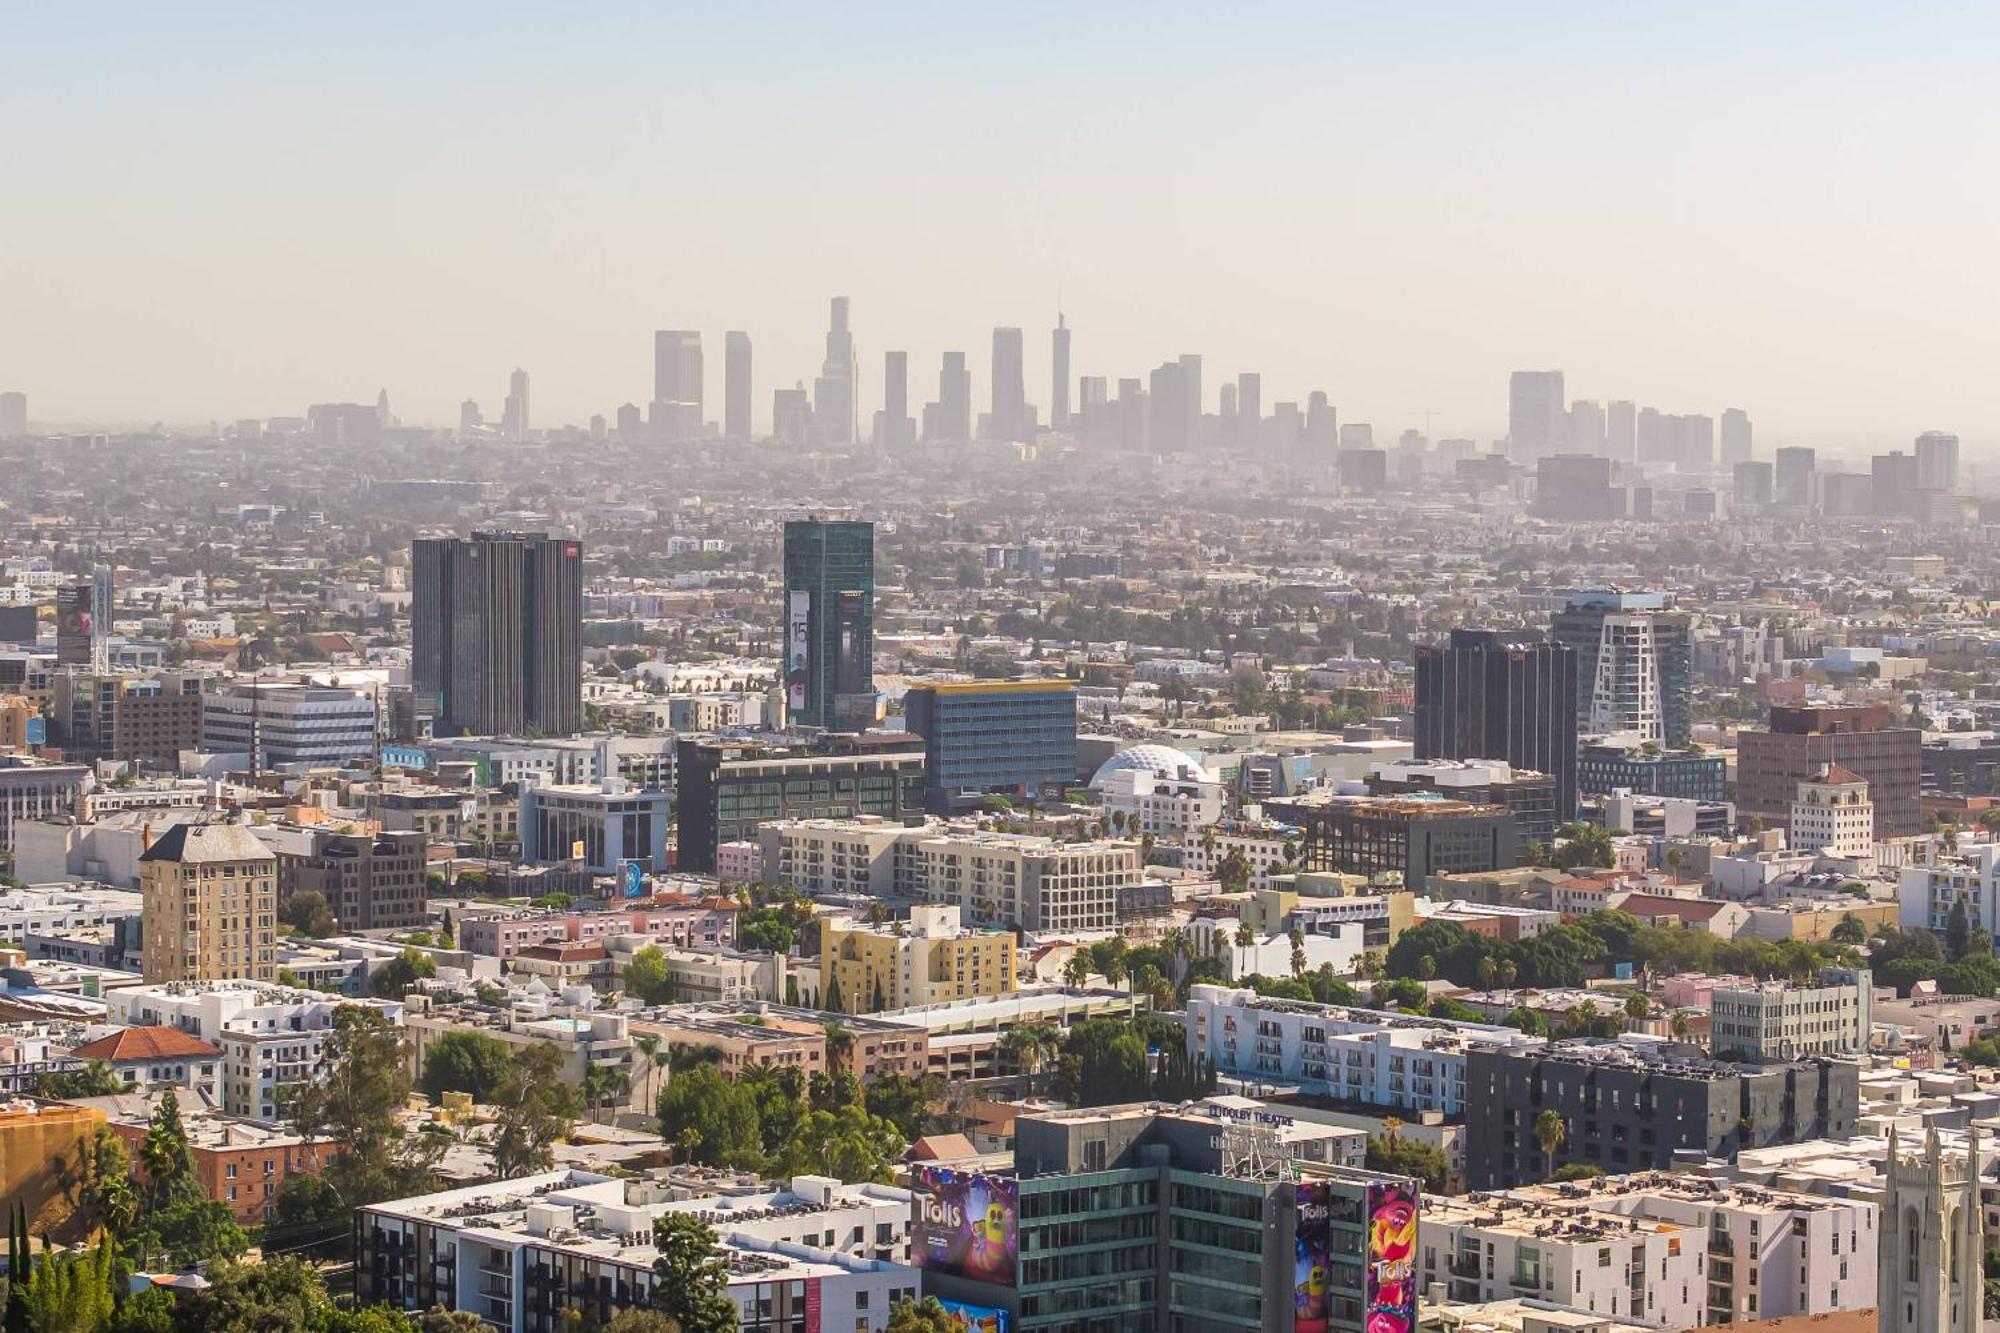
496,633
1322,426
1501,694
1536,421
1937,461
1191,378
829,618
13,415
1895,488
1587,429
1059,376
833,391
1009,419
1249,407
631,422
893,428
1735,436
736,385
1634,665
677,384
515,423
1793,476
952,421
1653,442
791,416
1621,431
469,419
1167,409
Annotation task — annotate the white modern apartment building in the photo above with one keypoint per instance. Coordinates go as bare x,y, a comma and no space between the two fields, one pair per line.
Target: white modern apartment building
271,1036
995,879
1366,1056
1684,1250
1775,1020
1927,893
1166,807
289,723
521,1254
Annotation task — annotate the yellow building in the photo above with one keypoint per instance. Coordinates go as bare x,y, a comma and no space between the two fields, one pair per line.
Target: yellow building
15,714
38,1142
210,905
927,960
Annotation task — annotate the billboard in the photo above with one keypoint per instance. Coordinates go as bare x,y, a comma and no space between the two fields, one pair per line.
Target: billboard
798,650
74,623
1312,1256
1390,1277
965,1224
632,878
975,1318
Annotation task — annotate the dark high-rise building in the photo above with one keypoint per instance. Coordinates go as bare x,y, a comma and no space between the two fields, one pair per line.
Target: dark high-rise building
1009,420
736,385
1792,477
1499,694
1634,665
1537,420
725,791
1633,1107
496,633
1870,741
631,422
514,420
1575,488
829,623
1895,483
1059,377
1754,490
1012,736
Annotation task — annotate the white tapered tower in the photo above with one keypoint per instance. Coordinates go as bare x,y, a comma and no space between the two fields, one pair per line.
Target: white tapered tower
1929,1276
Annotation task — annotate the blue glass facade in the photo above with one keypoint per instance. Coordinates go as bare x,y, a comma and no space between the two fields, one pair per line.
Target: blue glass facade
1015,736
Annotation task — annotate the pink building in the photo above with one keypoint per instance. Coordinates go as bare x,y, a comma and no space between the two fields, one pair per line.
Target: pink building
674,923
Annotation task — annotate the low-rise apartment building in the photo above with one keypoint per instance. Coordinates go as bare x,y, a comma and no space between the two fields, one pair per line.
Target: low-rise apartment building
929,959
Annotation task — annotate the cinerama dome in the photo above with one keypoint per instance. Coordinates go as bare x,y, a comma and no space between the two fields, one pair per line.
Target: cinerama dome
1162,761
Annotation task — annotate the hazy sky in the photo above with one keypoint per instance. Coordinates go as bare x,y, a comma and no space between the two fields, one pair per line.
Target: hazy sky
218,211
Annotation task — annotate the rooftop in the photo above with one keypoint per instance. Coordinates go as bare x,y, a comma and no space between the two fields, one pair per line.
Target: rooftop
200,843
147,1043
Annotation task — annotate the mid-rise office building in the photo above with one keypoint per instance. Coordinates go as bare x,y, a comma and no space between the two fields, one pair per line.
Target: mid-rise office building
726,790
1537,415
145,719
1495,694
280,723
1753,485
370,881
33,790
1634,664
1576,488
830,624
1366,1057
1778,1020
677,384
1937,462
1399,839
1735,437
930,959
1868,741
1157,1217
1017,737
1529,796
496,633
1833,815
1606,764
600,826
1632,1105
211,905
1792,476
736,385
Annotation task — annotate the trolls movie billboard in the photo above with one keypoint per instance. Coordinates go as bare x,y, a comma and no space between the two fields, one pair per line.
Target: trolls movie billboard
966,1224
1389,1248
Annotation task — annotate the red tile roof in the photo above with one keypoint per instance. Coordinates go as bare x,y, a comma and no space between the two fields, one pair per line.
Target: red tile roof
131,1045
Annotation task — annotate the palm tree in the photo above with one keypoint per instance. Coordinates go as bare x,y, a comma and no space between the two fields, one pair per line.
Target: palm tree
1504,973
1550,1134
1637,1008
1488,972
1678,1024
1077,970
1392,1129
1674,858
1298,939
648,1044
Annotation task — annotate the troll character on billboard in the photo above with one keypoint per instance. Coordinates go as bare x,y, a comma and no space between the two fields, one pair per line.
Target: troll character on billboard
1392,1249
1312,1261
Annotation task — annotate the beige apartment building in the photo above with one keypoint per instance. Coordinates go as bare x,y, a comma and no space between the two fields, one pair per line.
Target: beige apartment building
210,905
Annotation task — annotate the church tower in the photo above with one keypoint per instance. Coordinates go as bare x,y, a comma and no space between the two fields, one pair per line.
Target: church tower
1929,1276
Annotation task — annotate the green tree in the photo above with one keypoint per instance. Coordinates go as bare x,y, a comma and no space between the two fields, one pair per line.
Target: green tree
711,1120
533,1108
363,1086
848,1144
904,1102
691,1277
400,973
307,911
1103,1063
95,1079
71,1292
466,1060
1406,1157
1576,1171
647,978
1550,1135
279,1295
97,1181
169,1162
925,1316
638,1319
